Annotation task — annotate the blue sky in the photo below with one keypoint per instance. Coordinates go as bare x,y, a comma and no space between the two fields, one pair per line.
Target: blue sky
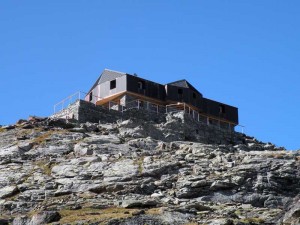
244,53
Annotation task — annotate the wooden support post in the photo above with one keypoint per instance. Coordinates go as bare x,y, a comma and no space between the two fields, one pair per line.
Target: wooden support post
207,120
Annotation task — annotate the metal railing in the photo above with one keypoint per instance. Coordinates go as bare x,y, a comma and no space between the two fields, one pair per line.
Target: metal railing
240,128
65,103
203,118
151,107
115,106
136,104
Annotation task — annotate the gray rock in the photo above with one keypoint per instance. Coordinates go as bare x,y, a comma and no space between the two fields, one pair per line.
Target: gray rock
25,146
82,149
220,185
11,151
8,191
45,217
292,216
68,171
21,220
139,203
121,170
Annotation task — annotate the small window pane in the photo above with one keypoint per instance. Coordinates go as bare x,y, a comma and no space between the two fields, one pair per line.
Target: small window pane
222,109
141,85
113,84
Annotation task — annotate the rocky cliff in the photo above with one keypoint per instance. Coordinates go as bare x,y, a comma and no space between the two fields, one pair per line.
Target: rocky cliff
143,170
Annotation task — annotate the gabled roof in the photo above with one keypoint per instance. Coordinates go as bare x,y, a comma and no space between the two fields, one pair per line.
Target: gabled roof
107,75
181,83
184,84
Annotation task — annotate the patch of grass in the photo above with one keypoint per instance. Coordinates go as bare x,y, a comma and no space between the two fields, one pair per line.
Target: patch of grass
45,166
94,215
238,212
139,162
2,129
24,132
253,220
154,211
279,155
33,212
42,138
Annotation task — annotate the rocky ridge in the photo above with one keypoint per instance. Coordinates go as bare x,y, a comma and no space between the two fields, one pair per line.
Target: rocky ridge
143,171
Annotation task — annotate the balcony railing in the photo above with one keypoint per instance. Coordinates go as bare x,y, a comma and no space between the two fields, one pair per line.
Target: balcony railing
151,107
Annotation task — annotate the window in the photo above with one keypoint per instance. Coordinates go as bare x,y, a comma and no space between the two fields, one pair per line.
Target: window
141,85
91,96
113,84
221,109
180,94
194,95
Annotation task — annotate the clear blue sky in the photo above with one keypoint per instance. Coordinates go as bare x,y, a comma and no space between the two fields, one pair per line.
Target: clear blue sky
244,53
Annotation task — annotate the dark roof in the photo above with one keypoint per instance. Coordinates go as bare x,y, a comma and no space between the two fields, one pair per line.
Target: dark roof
180,83
107,75
183,84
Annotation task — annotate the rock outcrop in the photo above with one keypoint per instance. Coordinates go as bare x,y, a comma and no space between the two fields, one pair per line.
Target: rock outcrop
143,170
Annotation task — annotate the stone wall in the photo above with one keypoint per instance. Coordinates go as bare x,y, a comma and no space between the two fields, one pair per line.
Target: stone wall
71,112
201,132
89,112
83,111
